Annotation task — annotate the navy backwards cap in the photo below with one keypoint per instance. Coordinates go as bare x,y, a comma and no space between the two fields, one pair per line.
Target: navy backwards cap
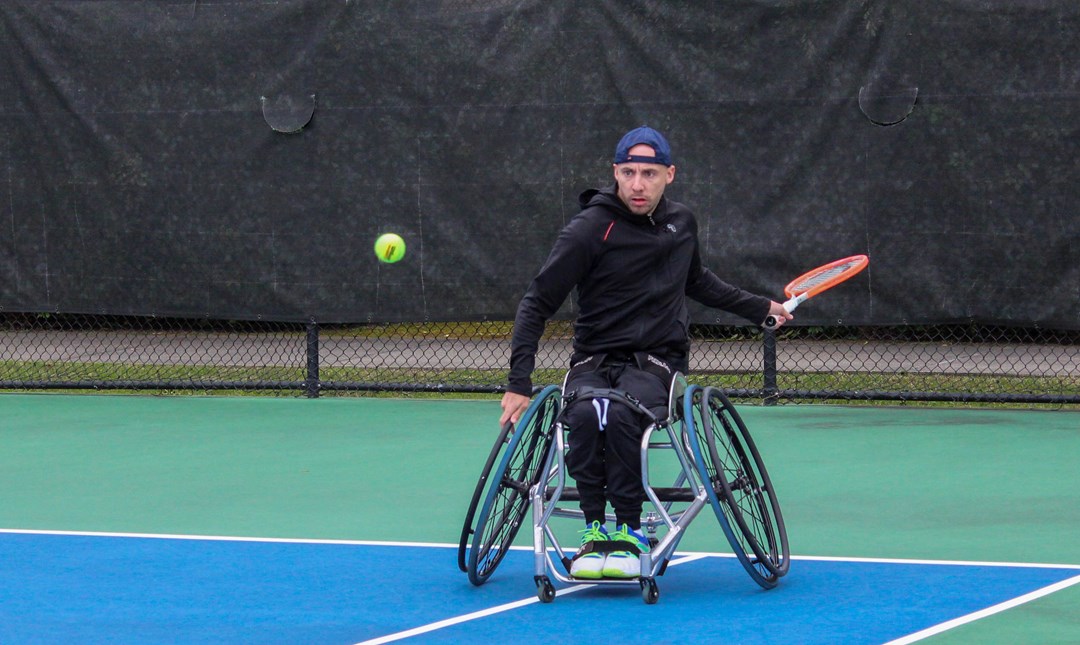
649,137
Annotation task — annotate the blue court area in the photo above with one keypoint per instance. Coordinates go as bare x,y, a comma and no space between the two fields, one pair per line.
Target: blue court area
60,588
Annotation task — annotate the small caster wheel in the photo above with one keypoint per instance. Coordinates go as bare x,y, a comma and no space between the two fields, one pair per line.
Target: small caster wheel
650,593
545,591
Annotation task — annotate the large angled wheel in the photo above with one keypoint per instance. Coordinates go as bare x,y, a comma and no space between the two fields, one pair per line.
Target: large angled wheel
502,494
738,485
478,494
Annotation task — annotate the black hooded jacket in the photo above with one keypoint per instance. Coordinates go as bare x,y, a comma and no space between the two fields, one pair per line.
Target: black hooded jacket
633,274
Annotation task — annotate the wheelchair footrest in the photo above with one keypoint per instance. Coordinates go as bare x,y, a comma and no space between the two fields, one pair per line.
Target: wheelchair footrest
663,494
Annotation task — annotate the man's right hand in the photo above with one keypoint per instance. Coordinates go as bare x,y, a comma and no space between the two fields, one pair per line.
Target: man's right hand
513,406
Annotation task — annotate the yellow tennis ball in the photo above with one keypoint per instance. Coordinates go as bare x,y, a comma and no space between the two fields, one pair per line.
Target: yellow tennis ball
389,247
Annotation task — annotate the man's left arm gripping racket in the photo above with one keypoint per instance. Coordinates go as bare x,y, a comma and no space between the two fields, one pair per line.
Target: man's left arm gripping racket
820,279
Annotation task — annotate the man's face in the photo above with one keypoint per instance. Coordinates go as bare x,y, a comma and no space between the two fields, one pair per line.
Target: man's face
641,185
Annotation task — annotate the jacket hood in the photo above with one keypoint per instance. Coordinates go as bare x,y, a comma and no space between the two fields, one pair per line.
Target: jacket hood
609,198
600,197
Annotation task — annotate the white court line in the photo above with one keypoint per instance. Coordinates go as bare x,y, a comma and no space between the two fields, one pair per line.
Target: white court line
449,622
989,611
241,538
225,538
958,563
437,545
430,627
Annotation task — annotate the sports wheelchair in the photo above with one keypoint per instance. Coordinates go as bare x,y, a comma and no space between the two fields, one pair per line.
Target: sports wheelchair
701,437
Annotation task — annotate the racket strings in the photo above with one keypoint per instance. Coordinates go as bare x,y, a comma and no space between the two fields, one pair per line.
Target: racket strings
810,282
826,276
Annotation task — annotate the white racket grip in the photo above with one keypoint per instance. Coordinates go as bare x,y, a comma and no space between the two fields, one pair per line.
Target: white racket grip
789,306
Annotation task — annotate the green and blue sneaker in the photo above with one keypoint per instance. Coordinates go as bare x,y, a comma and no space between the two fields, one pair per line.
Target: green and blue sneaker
624,562
588,563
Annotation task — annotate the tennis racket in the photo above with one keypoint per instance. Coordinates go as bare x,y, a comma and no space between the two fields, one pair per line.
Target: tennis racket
820,279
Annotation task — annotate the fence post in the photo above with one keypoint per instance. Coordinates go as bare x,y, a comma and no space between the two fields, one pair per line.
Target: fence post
311,384
772,393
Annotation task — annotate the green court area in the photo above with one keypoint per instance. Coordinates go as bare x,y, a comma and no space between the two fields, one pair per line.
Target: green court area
899,483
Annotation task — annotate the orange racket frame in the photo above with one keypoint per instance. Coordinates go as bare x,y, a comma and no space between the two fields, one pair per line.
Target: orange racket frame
817,280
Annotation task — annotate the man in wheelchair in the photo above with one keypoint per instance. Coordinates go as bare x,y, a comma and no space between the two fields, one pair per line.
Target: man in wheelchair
633,256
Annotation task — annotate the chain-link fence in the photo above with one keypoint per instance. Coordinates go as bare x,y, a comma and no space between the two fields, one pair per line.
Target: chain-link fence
958,363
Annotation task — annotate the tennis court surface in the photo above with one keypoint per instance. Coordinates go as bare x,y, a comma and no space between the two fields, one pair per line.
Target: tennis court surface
151,519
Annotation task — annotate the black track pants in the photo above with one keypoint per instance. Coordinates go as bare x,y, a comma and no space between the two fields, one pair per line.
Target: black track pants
604,440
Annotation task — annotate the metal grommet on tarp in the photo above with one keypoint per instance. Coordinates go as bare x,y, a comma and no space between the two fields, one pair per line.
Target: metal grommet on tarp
288,113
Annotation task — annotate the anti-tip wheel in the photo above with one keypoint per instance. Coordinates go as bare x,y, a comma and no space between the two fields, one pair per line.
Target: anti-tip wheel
545,591
650,593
